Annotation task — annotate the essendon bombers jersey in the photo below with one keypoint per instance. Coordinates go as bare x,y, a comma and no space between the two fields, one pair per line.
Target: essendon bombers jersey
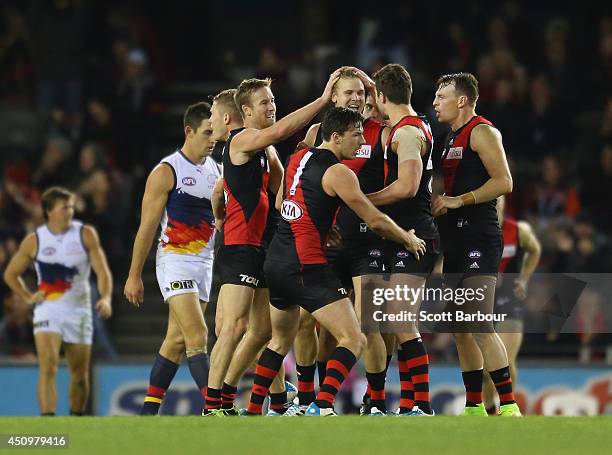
464,172
246,197
368,166
307,212
512,255
415,212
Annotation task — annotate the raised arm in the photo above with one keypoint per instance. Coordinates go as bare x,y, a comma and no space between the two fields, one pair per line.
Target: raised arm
159,184
101,269
408,143
251,140
18,264
340,181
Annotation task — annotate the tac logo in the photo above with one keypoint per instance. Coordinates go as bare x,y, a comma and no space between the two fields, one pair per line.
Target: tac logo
402,254
249,279
474,254
291,211
189,181
49,251
182,284
454,153
364,152
363,227
375,253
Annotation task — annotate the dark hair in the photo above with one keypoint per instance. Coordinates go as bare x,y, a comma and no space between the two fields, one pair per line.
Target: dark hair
226,99
394,81
339,120
246,89
195,114
465,83
50,197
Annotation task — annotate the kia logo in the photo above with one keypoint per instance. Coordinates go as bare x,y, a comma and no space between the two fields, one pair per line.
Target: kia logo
290,211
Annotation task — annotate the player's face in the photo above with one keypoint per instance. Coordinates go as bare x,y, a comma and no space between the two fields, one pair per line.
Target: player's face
371,110
445,103
263,108
351,141
349,93
217,123
62,212
202,138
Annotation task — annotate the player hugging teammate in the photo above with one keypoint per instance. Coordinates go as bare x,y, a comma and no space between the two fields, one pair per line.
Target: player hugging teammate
292,291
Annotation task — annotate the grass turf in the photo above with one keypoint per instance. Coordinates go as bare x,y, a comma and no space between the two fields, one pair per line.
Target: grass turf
354,435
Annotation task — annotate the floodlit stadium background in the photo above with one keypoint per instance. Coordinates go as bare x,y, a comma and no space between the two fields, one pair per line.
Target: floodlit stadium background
92,94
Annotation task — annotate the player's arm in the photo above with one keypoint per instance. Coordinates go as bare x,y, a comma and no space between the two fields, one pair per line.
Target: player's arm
408,144
533,250
279,195
487,142
159,183
92,244
16,267
217,200
250,140
340,181
311,136
276,169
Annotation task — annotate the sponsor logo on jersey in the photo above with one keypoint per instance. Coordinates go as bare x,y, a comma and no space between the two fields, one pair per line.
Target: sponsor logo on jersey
462,223
262,161
454,153
249,279
402,254
373,264
189,181
364,152
49,251
474,265
291,211
342,291
400,264
363,227
474,254
181,284
41,324
375,253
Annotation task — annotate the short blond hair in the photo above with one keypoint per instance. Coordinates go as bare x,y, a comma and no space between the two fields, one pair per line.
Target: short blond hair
226,99
242,97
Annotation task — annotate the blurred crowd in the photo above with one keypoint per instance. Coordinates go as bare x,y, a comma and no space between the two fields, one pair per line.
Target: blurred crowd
91,95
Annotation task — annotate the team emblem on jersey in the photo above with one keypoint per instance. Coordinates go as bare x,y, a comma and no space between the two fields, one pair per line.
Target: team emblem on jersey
189,181
49,251
364,152
212,179
375,253
363,227
454,153
474,254
291,211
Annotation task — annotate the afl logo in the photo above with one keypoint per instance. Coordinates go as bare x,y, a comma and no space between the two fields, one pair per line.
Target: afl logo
474,254
290,211
189,181
48,251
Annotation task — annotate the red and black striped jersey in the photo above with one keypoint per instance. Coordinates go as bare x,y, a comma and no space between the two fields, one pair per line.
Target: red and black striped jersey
307,212
512,255
415,212
464,172
246,197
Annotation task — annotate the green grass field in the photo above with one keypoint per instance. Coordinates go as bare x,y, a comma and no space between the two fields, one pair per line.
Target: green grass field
322,436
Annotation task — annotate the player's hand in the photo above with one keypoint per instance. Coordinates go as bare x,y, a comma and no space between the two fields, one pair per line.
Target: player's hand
134,290
441,204
219,224
334,237
301,146
520,289
333,78
35,298
414,244
368,83
104,308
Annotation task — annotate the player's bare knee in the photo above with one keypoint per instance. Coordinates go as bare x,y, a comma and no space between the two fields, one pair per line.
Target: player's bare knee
462,338
80,379
484,339
49,368
258,337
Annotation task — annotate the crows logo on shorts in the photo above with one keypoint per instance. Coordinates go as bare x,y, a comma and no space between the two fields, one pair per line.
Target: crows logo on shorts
55,279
